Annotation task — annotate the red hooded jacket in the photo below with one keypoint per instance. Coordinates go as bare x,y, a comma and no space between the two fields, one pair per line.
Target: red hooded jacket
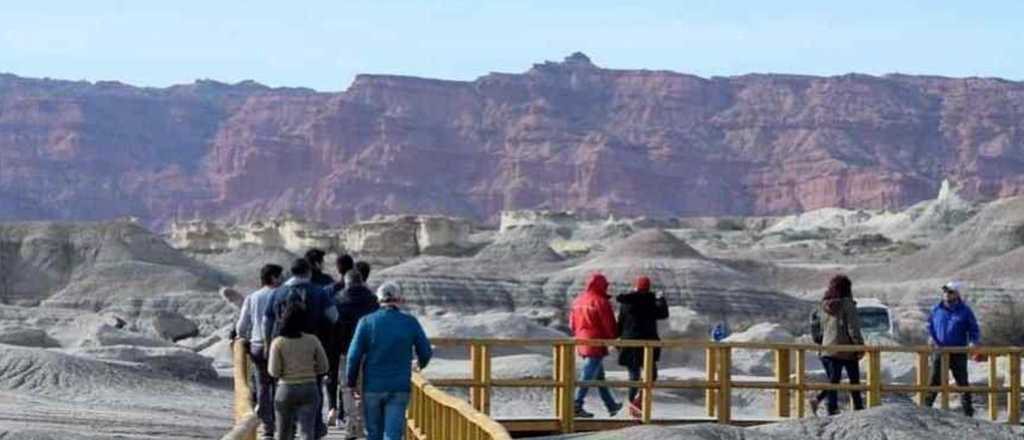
592,317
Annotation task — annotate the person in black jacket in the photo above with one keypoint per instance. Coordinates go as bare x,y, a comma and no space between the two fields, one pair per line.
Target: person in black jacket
355,302
639,313
344,264
315,257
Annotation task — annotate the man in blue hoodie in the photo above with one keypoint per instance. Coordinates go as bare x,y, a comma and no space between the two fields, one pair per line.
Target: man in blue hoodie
952,324
381,352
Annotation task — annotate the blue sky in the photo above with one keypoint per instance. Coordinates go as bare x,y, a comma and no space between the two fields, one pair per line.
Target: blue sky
324,44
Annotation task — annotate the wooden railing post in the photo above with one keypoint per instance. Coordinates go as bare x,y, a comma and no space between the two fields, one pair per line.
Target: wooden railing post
993,383
243,391
711,374
801,390
725,385
556,374
568,384
475,391
485,376
1013,405
874,378
944,365
648,389
923,378
782,377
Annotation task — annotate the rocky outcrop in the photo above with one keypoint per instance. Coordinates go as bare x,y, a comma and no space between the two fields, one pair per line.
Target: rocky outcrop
291,234
90,265
562,136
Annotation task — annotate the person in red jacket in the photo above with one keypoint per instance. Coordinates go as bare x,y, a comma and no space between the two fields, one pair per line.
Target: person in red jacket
592,317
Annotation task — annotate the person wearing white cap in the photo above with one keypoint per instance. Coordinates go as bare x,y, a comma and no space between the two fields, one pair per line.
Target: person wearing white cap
952,324
381,352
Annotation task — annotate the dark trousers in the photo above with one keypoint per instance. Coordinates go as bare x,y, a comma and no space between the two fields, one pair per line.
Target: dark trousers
333,366
636,373
297,406
823,394
834,369
958,368
264,386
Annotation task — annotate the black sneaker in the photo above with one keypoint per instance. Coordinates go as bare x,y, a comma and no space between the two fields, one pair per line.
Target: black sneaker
582,414
814,402
614,411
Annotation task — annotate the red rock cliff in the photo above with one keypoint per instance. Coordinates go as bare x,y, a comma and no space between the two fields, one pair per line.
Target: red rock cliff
566,135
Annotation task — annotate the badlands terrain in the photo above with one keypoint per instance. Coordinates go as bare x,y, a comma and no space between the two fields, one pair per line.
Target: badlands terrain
112,330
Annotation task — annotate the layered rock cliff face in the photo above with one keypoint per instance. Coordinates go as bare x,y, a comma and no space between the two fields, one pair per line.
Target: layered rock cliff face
566,135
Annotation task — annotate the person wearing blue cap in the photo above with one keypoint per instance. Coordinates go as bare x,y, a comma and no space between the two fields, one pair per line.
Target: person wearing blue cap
952,324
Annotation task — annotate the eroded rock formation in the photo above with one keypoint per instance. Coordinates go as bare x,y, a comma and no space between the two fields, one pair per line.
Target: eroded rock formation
562,136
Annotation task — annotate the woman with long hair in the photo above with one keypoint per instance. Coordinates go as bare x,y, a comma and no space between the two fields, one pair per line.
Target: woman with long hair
840,325
296,360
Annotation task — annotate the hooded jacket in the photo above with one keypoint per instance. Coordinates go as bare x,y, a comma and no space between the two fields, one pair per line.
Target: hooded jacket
953,326
639,313
840,325
355,302
592,317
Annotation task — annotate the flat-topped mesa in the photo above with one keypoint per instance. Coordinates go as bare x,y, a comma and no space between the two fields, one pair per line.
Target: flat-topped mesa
565,135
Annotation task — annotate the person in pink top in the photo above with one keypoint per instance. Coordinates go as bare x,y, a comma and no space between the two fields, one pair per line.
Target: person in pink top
592,317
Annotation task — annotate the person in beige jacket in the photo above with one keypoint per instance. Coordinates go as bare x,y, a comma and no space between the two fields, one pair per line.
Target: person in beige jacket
840,325
296,360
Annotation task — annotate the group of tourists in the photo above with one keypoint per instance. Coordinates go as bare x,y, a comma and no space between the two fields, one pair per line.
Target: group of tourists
834,321
301,332
592,317
951,324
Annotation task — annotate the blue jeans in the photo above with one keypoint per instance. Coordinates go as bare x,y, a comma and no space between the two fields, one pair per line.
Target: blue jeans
385,415
264,385
593,369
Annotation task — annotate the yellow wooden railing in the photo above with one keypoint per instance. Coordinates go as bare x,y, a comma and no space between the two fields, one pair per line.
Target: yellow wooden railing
718,382
434,414
245,419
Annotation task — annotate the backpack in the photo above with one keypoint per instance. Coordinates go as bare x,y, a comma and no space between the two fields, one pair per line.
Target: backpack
815,322
295,296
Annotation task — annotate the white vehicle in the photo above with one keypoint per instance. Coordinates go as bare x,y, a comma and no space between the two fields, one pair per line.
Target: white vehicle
876,318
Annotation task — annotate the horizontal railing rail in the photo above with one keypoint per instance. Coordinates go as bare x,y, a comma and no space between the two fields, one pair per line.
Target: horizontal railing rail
790,368
434,414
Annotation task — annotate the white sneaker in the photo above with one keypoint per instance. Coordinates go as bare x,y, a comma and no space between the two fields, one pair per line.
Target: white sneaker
332,418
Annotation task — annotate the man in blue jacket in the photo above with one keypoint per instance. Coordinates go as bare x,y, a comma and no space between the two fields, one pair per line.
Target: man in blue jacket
952,324
320,314
381,351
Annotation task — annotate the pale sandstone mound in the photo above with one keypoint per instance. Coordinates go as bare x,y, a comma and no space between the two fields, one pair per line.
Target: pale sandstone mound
12,334
51,374
243,263
177,362
710,287
991,235
652,243
95,266
758,362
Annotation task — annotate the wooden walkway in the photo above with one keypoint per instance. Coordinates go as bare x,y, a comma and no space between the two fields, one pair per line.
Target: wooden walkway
436,415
